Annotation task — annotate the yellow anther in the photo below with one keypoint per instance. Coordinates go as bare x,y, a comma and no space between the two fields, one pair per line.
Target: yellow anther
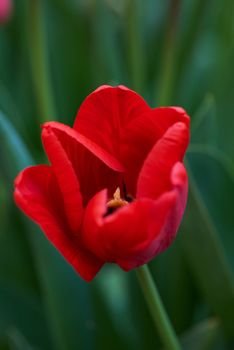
117,201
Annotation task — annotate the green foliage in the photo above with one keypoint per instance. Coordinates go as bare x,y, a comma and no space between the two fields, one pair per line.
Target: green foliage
183,56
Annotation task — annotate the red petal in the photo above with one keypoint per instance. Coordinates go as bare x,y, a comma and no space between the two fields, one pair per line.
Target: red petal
93,220
120,121
37,194
66,177
154,177
167,116
94,167
140,135
169,210
68,133
105,112
134,234
123,236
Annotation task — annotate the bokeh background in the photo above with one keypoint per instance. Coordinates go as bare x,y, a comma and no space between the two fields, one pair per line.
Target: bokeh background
52,54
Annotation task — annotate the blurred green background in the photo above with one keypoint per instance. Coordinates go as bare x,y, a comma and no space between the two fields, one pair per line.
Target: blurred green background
53,53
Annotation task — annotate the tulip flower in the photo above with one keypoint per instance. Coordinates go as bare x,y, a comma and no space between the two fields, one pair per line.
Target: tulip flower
5,10
116,187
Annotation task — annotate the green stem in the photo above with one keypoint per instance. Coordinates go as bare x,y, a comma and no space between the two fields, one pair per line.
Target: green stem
39,61
156,308
166,80
190,36
134,45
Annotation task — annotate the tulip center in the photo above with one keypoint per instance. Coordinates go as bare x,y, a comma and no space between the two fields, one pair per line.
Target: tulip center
117,202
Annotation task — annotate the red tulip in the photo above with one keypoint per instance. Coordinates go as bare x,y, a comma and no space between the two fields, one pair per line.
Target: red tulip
5,10
116,188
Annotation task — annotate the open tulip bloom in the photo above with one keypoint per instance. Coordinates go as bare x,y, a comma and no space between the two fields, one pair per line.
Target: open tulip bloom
116,187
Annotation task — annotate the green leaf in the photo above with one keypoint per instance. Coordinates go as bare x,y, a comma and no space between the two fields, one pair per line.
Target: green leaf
22,310
16,262
206,254
215,176
114,328
174,283
206,241
202,336
106,53
17,341
213,152
204,125
13,150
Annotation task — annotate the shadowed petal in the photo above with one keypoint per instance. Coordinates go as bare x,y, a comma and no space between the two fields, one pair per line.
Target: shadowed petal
102,154
66,177
94,167
37,194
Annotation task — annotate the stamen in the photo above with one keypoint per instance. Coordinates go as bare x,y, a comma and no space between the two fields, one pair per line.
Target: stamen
117,201
116,195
